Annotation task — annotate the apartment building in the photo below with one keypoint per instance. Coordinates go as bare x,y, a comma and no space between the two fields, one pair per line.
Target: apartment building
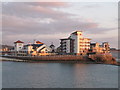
67,45
75,44
97,48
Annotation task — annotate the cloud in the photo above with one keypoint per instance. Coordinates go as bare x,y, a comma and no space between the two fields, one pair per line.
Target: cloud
34,10
49,4
20,25
21,17
44,21
90,5
29,38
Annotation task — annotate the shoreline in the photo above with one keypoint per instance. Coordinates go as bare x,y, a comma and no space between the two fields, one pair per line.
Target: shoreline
71,62
80,60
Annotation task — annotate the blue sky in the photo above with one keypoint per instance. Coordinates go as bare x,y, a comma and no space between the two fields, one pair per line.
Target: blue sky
49,22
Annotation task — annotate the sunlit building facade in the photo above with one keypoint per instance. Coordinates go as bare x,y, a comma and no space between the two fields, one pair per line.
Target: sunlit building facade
97,48
75,44
36,49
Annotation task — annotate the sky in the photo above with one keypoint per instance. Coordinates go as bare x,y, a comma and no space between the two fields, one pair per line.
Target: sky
51,21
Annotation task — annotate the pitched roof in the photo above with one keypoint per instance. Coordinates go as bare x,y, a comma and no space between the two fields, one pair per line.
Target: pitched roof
18,41
52,45
36,45
76,32
38,42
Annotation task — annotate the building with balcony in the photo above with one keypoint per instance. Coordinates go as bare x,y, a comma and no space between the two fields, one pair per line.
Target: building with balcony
78,45
97,48
36,49
75,44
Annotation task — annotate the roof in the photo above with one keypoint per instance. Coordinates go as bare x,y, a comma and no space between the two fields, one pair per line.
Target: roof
76,32
36,45
52,45
105,42
18,41
38,42
64,39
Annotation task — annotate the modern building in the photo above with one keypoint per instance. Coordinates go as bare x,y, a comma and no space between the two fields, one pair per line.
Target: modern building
36,49
106,47
18,45
67,46
78,45
6,49
52,48
97,48
75,44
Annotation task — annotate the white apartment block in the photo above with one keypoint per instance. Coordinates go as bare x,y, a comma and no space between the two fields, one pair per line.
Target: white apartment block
75,44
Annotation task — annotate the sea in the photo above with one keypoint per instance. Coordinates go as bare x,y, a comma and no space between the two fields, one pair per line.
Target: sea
58,75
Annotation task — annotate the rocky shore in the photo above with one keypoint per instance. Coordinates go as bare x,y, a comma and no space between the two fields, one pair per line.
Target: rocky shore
104,58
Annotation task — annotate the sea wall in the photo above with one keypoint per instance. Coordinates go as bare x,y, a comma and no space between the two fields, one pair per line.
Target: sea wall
96,58
47,58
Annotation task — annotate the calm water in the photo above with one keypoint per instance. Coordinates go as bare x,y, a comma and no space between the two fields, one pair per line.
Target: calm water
58,75
116,54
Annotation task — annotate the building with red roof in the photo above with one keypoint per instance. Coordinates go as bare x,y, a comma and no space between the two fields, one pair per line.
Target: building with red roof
18,41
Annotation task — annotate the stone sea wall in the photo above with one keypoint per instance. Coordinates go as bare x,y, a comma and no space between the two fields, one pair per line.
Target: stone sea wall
96,58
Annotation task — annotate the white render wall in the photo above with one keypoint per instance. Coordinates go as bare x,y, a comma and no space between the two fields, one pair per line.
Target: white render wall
18,46
29,48
80,44
75,42
79,36
68,46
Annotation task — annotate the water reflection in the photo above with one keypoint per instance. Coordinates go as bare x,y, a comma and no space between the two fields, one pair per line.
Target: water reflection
59,75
